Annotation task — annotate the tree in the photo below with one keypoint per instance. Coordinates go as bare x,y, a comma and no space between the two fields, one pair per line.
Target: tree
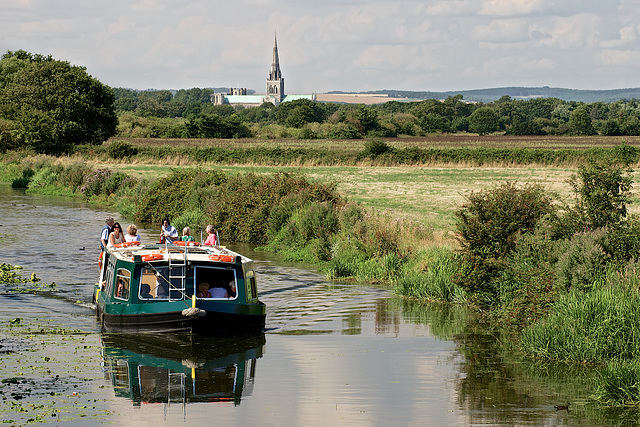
483,121
580,122
603,188
52,105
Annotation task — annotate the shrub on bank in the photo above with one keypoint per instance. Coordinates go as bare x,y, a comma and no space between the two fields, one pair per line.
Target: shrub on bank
619,384
590,327
429,276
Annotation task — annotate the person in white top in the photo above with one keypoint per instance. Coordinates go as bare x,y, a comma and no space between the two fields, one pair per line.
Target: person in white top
116,236
169,232
132,234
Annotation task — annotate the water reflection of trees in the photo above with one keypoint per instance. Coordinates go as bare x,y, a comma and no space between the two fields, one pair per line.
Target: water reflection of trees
495,383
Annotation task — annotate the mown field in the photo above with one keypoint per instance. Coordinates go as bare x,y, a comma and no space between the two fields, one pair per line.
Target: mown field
428,194
434,141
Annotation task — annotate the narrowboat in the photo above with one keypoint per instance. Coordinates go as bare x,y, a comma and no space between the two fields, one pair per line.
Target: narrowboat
177,287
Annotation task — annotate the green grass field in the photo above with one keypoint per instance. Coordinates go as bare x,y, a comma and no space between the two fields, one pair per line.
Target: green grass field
428,194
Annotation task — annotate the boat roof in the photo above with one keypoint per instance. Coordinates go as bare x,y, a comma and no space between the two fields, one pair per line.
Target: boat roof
177,252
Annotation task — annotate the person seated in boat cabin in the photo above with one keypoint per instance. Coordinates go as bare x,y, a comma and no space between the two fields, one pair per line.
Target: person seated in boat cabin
169,232
203,290
106,230
132,234
161,291
218,291
186,235
232,289
212,240
122,291
145,291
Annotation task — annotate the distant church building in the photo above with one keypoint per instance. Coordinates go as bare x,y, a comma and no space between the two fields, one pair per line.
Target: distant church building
275,81
275,89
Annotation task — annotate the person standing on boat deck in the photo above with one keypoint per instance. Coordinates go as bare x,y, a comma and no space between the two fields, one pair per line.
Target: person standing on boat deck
212,240
186,235
169,232
106,230
132,234
116,236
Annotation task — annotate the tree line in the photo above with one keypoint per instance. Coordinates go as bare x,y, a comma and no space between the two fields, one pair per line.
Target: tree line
190,114
50,106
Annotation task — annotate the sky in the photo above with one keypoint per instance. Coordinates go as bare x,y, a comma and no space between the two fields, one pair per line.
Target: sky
326,45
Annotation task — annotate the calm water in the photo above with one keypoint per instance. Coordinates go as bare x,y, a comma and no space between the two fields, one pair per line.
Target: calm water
333,353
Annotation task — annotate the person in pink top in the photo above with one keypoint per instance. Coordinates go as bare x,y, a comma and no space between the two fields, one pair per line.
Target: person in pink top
212,240
203,290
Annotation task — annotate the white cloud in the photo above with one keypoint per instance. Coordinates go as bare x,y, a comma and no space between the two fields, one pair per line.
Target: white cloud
511,7
334,45
502,31
578,31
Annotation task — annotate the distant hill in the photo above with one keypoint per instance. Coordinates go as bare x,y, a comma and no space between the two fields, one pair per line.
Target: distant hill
488,95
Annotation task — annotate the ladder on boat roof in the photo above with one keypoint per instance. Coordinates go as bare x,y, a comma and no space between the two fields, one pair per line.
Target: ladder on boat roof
182,265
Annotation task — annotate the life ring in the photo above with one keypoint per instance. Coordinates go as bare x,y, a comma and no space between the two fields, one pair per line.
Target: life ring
152,257
100,260
182,243
125,244
223,258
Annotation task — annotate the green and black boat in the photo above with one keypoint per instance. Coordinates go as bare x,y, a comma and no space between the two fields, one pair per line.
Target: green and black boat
177,287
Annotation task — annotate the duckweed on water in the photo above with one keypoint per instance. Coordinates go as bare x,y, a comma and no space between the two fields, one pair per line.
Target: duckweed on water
44,377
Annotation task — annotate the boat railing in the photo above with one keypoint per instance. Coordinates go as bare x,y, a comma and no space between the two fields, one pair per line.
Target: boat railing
177,263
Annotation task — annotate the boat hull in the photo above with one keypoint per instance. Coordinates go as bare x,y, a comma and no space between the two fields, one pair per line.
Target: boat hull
212,323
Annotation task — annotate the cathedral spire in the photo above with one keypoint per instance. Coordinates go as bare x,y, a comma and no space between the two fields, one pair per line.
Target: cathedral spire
275,82
275,72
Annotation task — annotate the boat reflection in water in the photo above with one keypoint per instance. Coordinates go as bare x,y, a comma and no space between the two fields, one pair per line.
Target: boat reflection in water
181,368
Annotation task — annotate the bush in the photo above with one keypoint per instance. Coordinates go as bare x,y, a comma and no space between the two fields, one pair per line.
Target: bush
181,191
582,262
376,147
488,226
121,149
102,182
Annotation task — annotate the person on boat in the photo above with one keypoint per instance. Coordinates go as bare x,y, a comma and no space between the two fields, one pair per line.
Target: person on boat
116,236
145,291
132,234
203,290
169,232
218,292
122,291
186,235
106,230
161,291
232,289
212,240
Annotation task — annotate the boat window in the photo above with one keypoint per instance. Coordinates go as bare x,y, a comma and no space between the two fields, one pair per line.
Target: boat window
157,279
109,279
253,289
123,283
222,282
148,284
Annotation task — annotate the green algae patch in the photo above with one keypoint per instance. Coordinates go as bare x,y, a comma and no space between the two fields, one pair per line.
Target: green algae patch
13,282
48,373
